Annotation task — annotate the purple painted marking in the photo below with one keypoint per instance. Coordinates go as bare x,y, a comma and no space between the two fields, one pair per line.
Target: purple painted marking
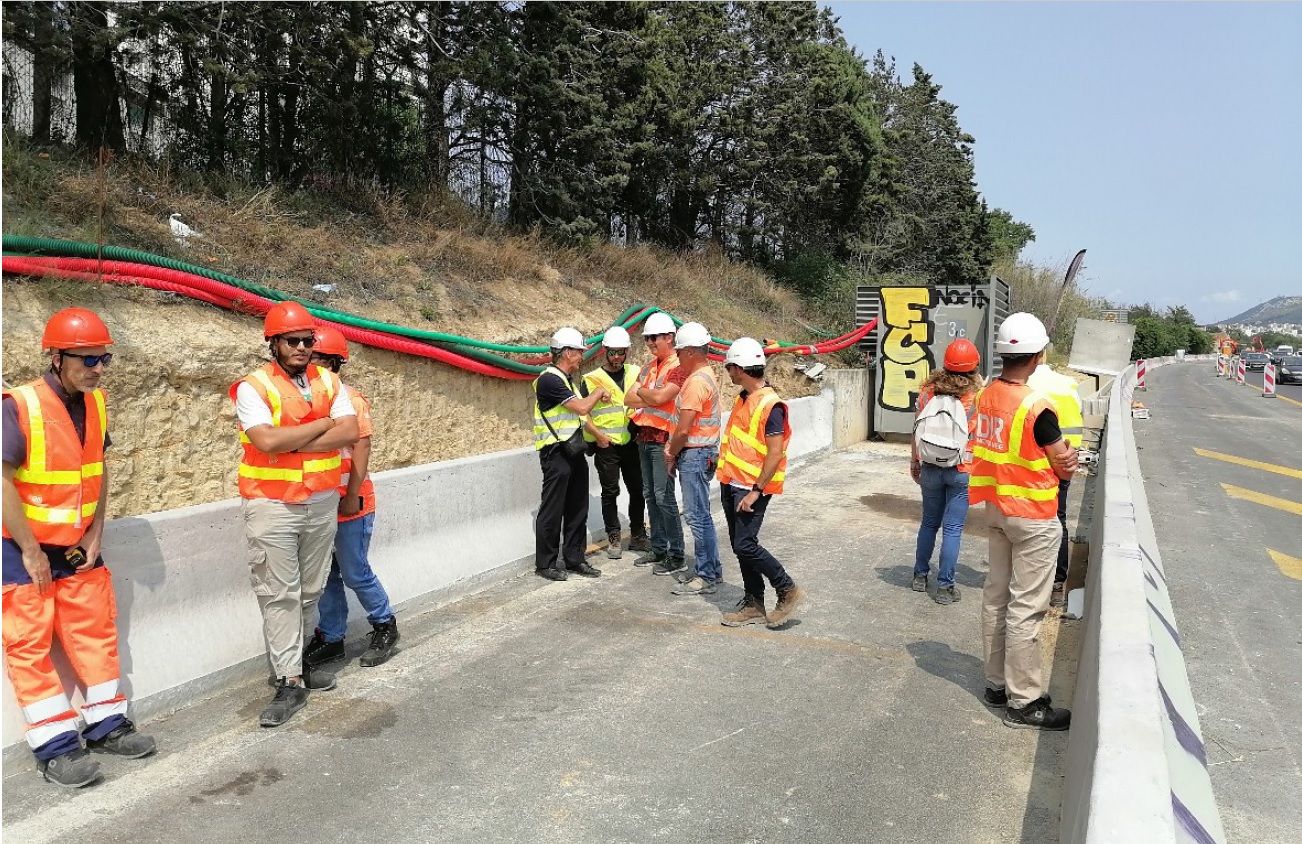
1191,825
1169,628
1184,733
1156,567
1151,581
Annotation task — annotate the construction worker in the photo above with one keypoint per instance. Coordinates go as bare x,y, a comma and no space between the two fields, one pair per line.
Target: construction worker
1020,455
616,453
752,469
1064,392
693,454
294,417
55,581
560,403
652,403
350,565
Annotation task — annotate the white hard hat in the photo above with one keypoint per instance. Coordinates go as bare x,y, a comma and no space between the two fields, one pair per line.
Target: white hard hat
691,335
745,352
568,338
616,338
1021,334
658,323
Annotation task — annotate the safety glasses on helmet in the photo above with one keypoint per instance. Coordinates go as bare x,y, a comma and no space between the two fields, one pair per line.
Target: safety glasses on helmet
91,361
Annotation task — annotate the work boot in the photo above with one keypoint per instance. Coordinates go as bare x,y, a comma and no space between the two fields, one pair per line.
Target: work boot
946,595
1037,715
750,610
669,565
290,698
72,769
318,651
639,541
1058,598
583,569
650,557
788,600
124,741
919,583
613,549
384,637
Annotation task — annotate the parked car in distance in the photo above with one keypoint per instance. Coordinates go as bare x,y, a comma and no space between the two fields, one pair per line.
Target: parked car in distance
1256,361
1289,370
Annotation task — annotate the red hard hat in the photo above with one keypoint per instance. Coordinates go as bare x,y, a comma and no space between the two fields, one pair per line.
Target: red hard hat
75,328
962,356
330,341
285,317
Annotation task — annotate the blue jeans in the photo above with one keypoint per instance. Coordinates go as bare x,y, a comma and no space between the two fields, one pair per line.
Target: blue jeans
695,471
352,568
944,504
661,501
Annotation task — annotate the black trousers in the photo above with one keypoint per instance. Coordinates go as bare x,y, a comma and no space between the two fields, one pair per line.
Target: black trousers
563,514
1060,574
743,532
612,461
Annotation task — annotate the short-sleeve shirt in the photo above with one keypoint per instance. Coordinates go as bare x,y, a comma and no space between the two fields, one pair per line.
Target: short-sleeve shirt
363,409
647,434
776,424
554,390
253,410
15,442
697,394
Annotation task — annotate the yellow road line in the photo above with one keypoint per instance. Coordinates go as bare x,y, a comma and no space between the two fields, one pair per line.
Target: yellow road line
1251,464
1261,498
1286,398
1291,566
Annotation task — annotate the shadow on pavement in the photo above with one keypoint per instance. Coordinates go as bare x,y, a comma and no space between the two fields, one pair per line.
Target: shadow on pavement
902,576
940,660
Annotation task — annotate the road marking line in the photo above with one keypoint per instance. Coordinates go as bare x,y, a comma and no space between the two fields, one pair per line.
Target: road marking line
1251,464
1261,498
1286,398
1291,566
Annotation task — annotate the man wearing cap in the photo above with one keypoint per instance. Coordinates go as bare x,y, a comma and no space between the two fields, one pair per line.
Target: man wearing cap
652,403
55,581
692,453
294,417
560,403
616,452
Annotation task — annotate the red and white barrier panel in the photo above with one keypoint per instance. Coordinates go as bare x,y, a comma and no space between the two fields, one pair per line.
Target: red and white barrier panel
1243,371
1268,381
1220,365
1141,369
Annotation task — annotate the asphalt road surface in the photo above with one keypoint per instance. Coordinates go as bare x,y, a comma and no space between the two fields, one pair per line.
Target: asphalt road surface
1223,471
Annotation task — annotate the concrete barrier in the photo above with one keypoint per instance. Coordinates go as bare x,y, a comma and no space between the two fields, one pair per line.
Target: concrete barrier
189,624
1136,766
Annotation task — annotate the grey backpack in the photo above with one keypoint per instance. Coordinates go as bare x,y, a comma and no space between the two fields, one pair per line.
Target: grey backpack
940,432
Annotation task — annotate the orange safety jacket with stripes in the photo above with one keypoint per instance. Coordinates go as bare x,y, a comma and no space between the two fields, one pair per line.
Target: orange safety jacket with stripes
1009,468
364,430
705,427
654,376
60,482
743,448
294,476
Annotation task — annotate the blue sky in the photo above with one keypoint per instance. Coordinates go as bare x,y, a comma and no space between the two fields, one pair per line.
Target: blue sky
1165,138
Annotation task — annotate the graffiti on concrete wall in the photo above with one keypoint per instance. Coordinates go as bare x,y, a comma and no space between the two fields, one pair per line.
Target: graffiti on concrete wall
906,356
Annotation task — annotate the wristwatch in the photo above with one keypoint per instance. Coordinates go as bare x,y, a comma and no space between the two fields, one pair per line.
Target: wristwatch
757,488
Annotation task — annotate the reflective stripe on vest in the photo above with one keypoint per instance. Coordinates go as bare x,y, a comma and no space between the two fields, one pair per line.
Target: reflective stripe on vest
705,427
654,377
1064,394
743,447
611,417
61,478
1010,469
295,476
563,420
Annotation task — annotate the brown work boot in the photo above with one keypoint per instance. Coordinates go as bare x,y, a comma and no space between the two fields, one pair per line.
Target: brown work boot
639,541
788,600
613,549
750,610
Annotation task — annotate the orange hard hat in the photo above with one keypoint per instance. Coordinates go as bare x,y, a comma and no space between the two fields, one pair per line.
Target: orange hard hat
285,317
75,328
962,356
330,341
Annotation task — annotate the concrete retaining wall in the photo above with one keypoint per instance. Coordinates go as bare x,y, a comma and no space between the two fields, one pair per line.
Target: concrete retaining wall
852,410
1136,766
188,622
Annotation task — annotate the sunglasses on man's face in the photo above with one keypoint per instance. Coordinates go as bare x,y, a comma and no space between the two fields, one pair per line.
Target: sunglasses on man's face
91,361
306,342
617,351
651,338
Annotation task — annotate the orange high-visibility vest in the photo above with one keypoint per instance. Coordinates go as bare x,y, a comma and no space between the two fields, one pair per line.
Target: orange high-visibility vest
59,482
654,376
1009,469
744,446
705,427
363,408
295,476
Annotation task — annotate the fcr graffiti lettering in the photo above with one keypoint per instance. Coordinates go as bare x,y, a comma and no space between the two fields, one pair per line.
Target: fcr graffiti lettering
907,359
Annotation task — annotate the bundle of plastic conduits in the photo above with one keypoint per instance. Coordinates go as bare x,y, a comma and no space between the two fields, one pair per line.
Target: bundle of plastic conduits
89,262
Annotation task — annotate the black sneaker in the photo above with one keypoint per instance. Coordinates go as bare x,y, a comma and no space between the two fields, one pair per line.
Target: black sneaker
585,570
649,557
669,565
551,574
947,595
73,769
124,741
919,583
384,637
1037,715
317,680
996,698
290,698
318,651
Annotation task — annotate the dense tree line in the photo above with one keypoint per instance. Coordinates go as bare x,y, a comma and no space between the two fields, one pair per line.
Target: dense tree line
1159,333
751,126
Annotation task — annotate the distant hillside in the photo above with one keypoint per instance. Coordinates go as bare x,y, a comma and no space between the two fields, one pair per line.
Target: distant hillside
1279,309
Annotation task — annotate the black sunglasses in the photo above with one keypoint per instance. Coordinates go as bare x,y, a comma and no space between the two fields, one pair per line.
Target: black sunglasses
91,361
617,351
651,338
305,342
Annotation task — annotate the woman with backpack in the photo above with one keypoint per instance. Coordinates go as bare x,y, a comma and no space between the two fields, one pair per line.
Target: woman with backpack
941,462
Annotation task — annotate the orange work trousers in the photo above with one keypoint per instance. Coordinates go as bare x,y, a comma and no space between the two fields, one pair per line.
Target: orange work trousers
81,611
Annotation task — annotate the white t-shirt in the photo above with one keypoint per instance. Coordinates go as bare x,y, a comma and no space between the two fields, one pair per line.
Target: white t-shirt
253,411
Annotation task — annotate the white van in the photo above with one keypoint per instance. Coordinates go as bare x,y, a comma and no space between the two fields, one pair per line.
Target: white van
1281,351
